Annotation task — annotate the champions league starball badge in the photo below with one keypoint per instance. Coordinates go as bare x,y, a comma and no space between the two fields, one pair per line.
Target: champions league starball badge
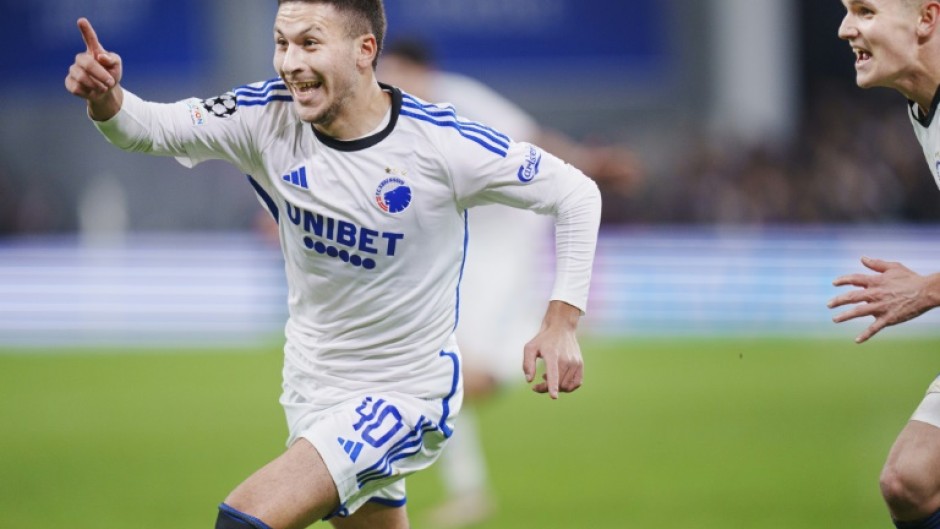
222,106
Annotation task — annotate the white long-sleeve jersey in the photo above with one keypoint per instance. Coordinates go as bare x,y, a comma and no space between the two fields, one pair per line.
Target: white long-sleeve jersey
373,230
927,130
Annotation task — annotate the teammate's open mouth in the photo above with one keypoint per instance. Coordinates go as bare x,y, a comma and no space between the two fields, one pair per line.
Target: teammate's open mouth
861,56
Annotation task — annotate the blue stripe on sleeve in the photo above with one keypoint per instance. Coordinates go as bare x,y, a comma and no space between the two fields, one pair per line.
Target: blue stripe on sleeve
442,116
260,102
445,113
260,93
261,87
440,111
462,131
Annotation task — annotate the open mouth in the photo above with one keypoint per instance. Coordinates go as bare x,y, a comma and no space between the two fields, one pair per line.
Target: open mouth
861,56
306,86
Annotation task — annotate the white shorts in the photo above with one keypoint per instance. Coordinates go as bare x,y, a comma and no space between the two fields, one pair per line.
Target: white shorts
929,409
371,442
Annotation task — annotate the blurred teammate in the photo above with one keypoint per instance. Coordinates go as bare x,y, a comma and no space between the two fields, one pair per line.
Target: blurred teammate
370,189
897,45
502,270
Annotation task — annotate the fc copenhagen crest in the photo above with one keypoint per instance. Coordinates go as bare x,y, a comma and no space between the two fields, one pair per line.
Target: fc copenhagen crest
393,195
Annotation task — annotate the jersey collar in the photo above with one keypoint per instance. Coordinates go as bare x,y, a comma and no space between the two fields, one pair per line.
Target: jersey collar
368,141
915,110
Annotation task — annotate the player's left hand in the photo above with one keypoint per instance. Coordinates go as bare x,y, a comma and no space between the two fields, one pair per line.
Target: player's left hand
893,295
557,345
96,72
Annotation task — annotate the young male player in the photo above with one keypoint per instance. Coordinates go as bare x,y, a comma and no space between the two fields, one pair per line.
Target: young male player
370,189
897,45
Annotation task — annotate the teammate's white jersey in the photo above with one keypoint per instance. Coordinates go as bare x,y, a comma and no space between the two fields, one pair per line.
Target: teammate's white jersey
373,230
927,130
478,102
502,299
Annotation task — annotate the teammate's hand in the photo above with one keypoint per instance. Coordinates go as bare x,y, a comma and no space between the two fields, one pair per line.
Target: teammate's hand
557,345
893,295
95,75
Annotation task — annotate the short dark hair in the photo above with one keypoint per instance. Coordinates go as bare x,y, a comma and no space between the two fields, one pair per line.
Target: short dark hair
365,16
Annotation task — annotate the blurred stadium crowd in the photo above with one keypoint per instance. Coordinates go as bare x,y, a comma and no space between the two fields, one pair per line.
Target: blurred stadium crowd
25,209
854,160
849,156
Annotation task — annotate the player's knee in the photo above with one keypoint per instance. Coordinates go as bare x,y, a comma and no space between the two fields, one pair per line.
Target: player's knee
230,518
905,492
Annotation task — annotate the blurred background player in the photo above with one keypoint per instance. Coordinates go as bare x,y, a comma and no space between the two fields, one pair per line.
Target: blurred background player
897,45
503,267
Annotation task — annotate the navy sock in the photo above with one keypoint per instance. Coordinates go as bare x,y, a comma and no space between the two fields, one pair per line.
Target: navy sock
230,518
931,522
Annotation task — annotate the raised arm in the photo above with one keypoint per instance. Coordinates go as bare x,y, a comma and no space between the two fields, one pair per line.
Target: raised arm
95,76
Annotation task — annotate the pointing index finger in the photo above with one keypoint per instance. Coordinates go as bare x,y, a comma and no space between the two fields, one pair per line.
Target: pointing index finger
551,378
90,37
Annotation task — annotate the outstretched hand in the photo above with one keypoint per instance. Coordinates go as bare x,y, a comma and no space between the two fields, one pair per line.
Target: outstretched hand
96,75
557,345
893,295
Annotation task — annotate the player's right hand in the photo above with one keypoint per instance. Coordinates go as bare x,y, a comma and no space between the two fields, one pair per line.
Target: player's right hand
893,295
96,72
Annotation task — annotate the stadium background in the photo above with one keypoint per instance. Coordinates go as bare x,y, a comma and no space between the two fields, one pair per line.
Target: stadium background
140,309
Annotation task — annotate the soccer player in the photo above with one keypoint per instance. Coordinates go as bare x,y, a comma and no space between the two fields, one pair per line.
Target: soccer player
370,188
897,45
496,311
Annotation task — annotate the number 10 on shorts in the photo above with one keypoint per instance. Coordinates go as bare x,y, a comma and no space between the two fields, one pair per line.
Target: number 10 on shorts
378,421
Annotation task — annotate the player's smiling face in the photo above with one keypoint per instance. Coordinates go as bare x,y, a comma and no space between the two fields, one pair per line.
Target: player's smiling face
317,58
883,37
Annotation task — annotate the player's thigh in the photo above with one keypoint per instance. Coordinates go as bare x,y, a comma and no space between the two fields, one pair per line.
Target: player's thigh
915,455
374,516
293,491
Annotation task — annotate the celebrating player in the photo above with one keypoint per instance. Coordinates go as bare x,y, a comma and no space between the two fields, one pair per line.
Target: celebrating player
370,188
897,45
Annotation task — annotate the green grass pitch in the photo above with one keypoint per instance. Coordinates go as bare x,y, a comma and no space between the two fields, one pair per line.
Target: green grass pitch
684,433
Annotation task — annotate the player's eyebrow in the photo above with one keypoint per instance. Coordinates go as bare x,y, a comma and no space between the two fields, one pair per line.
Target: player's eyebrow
314,28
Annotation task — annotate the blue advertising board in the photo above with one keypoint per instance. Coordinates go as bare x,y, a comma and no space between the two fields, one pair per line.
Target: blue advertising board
542,39
539,37
39,39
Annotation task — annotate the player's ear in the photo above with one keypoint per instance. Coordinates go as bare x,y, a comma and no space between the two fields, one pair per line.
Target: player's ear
929,19
368,51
